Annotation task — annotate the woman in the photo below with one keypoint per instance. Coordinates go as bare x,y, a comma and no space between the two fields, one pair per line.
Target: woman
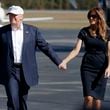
95,61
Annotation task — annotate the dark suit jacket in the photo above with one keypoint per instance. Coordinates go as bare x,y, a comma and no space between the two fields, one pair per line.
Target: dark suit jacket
32,40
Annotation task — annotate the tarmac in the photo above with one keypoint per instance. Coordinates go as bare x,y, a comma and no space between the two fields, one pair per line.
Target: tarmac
57,89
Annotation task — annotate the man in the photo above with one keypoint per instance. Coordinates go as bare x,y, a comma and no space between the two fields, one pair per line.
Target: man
18,67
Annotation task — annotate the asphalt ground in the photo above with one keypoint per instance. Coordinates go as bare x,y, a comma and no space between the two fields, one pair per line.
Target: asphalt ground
57,90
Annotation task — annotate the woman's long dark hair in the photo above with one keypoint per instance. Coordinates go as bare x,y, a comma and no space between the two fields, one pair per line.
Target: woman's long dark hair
101,24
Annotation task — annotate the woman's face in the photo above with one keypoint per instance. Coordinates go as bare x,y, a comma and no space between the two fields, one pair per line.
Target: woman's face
93,18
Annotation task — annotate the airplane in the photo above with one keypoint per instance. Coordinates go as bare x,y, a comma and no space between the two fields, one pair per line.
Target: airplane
3,18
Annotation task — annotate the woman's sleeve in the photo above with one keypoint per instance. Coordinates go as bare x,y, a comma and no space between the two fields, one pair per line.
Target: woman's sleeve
108,32
81,34
108,38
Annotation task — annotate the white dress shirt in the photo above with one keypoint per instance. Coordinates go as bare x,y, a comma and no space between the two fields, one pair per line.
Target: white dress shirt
17,40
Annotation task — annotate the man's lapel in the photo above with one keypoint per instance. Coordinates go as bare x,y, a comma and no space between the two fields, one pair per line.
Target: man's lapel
25,36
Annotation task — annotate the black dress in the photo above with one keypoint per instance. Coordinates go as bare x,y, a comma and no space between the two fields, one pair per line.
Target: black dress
93,65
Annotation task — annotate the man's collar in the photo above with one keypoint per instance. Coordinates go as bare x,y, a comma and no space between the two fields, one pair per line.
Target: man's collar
19,28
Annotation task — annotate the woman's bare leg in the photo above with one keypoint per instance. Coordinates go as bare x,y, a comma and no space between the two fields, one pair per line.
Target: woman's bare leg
97,104
88,102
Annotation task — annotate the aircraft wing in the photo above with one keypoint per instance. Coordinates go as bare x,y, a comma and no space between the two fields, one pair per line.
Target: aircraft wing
38,19
32,19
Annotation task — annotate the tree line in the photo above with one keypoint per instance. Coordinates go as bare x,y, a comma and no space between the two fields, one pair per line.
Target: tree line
50,4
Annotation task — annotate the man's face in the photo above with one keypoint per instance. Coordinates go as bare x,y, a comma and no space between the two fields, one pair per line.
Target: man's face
15,20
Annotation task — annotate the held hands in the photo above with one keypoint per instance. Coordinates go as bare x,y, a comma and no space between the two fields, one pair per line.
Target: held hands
63,65
107,73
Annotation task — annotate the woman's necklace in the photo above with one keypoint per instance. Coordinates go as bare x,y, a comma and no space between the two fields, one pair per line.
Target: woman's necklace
93,33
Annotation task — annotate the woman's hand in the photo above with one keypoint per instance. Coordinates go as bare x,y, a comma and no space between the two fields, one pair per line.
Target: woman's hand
107,72
63,65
